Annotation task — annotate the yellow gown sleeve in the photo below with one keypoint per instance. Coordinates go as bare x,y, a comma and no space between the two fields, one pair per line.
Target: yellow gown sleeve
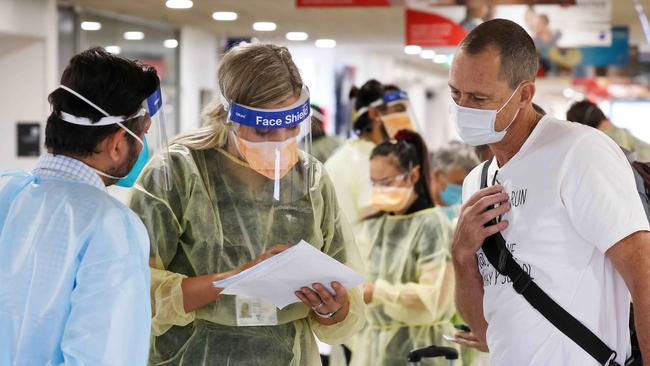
167,301
429,300
161,212
340,245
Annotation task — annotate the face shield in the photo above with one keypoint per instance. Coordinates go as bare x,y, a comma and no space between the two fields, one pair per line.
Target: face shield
397,113
151,115
276,144
157,134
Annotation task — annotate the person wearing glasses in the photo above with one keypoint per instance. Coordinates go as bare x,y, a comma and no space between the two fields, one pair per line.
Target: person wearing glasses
405,252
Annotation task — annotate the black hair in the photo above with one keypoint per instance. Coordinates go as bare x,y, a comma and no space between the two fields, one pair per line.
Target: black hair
587,113
411,151
115,84
368,93
519,59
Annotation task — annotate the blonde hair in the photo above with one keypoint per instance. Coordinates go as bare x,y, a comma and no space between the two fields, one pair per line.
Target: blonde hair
256,75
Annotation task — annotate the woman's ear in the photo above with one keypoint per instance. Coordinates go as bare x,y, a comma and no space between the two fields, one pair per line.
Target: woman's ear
374,114
415,175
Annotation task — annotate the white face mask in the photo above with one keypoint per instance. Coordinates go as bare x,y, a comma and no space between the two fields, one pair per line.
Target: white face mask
476,126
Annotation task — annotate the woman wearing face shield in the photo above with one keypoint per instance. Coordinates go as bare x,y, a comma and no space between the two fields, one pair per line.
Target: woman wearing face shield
353,186
244,189
405,250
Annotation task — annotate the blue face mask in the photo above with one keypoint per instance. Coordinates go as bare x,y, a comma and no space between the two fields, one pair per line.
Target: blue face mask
452,195
137,168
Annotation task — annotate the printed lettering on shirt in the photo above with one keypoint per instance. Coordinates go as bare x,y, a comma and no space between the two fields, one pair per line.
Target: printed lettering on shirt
490,275
518,197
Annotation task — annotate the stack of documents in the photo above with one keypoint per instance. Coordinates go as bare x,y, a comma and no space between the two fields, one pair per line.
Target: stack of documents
276,279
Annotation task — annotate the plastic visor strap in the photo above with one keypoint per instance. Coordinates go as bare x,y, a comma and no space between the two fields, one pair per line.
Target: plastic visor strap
276,181
374,104
316,114
107,120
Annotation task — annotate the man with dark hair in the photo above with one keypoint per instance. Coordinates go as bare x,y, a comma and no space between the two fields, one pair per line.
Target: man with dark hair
589,114
560,209
74,260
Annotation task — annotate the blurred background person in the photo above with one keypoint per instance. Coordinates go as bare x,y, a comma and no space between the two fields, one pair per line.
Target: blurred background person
323,146
405,251
449,167
589,114
349,165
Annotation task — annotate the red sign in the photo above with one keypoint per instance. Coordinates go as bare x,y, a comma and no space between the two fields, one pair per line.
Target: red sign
476,3
431,30
341,3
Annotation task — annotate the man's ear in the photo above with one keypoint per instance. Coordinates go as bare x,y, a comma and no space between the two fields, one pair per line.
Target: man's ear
527,93
115,145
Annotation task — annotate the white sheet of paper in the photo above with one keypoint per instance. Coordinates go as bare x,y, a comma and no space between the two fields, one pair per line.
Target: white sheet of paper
276,279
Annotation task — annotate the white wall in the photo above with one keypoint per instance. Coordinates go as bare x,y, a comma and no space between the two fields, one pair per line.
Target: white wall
198,70
28,64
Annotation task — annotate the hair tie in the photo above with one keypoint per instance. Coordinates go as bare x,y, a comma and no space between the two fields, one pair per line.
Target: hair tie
406,136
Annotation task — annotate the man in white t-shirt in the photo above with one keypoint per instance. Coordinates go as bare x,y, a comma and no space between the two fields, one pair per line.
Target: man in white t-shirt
568,209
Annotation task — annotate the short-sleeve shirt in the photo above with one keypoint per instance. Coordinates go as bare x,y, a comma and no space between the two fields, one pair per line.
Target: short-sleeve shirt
573,197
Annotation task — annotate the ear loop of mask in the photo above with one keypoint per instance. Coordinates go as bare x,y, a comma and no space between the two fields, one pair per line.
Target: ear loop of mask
504,105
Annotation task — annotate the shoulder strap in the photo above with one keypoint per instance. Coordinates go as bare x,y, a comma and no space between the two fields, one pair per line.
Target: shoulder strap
501,259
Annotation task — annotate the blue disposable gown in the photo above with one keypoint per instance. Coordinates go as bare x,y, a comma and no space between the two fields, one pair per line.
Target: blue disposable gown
74,279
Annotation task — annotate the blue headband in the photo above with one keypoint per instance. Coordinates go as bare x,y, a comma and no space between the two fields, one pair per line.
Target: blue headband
389,97
394,96
154,102
275,118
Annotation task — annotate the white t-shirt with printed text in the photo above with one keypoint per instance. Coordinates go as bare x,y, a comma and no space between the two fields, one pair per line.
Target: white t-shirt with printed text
573,197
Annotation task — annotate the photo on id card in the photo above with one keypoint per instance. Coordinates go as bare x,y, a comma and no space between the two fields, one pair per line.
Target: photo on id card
254,312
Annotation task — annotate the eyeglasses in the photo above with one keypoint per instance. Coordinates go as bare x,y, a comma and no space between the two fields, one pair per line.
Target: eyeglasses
389,181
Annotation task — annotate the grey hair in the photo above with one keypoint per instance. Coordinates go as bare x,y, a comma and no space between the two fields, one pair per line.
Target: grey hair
454,155
519,60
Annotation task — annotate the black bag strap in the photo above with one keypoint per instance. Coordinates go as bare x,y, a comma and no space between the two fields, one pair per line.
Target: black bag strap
501,259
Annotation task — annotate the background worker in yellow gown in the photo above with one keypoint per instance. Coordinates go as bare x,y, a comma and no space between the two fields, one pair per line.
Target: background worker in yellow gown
379,111
243,184
405,249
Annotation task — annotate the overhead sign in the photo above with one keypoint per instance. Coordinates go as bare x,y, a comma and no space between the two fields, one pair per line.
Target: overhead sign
344,3
427,29
492,2
585,24
618,53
